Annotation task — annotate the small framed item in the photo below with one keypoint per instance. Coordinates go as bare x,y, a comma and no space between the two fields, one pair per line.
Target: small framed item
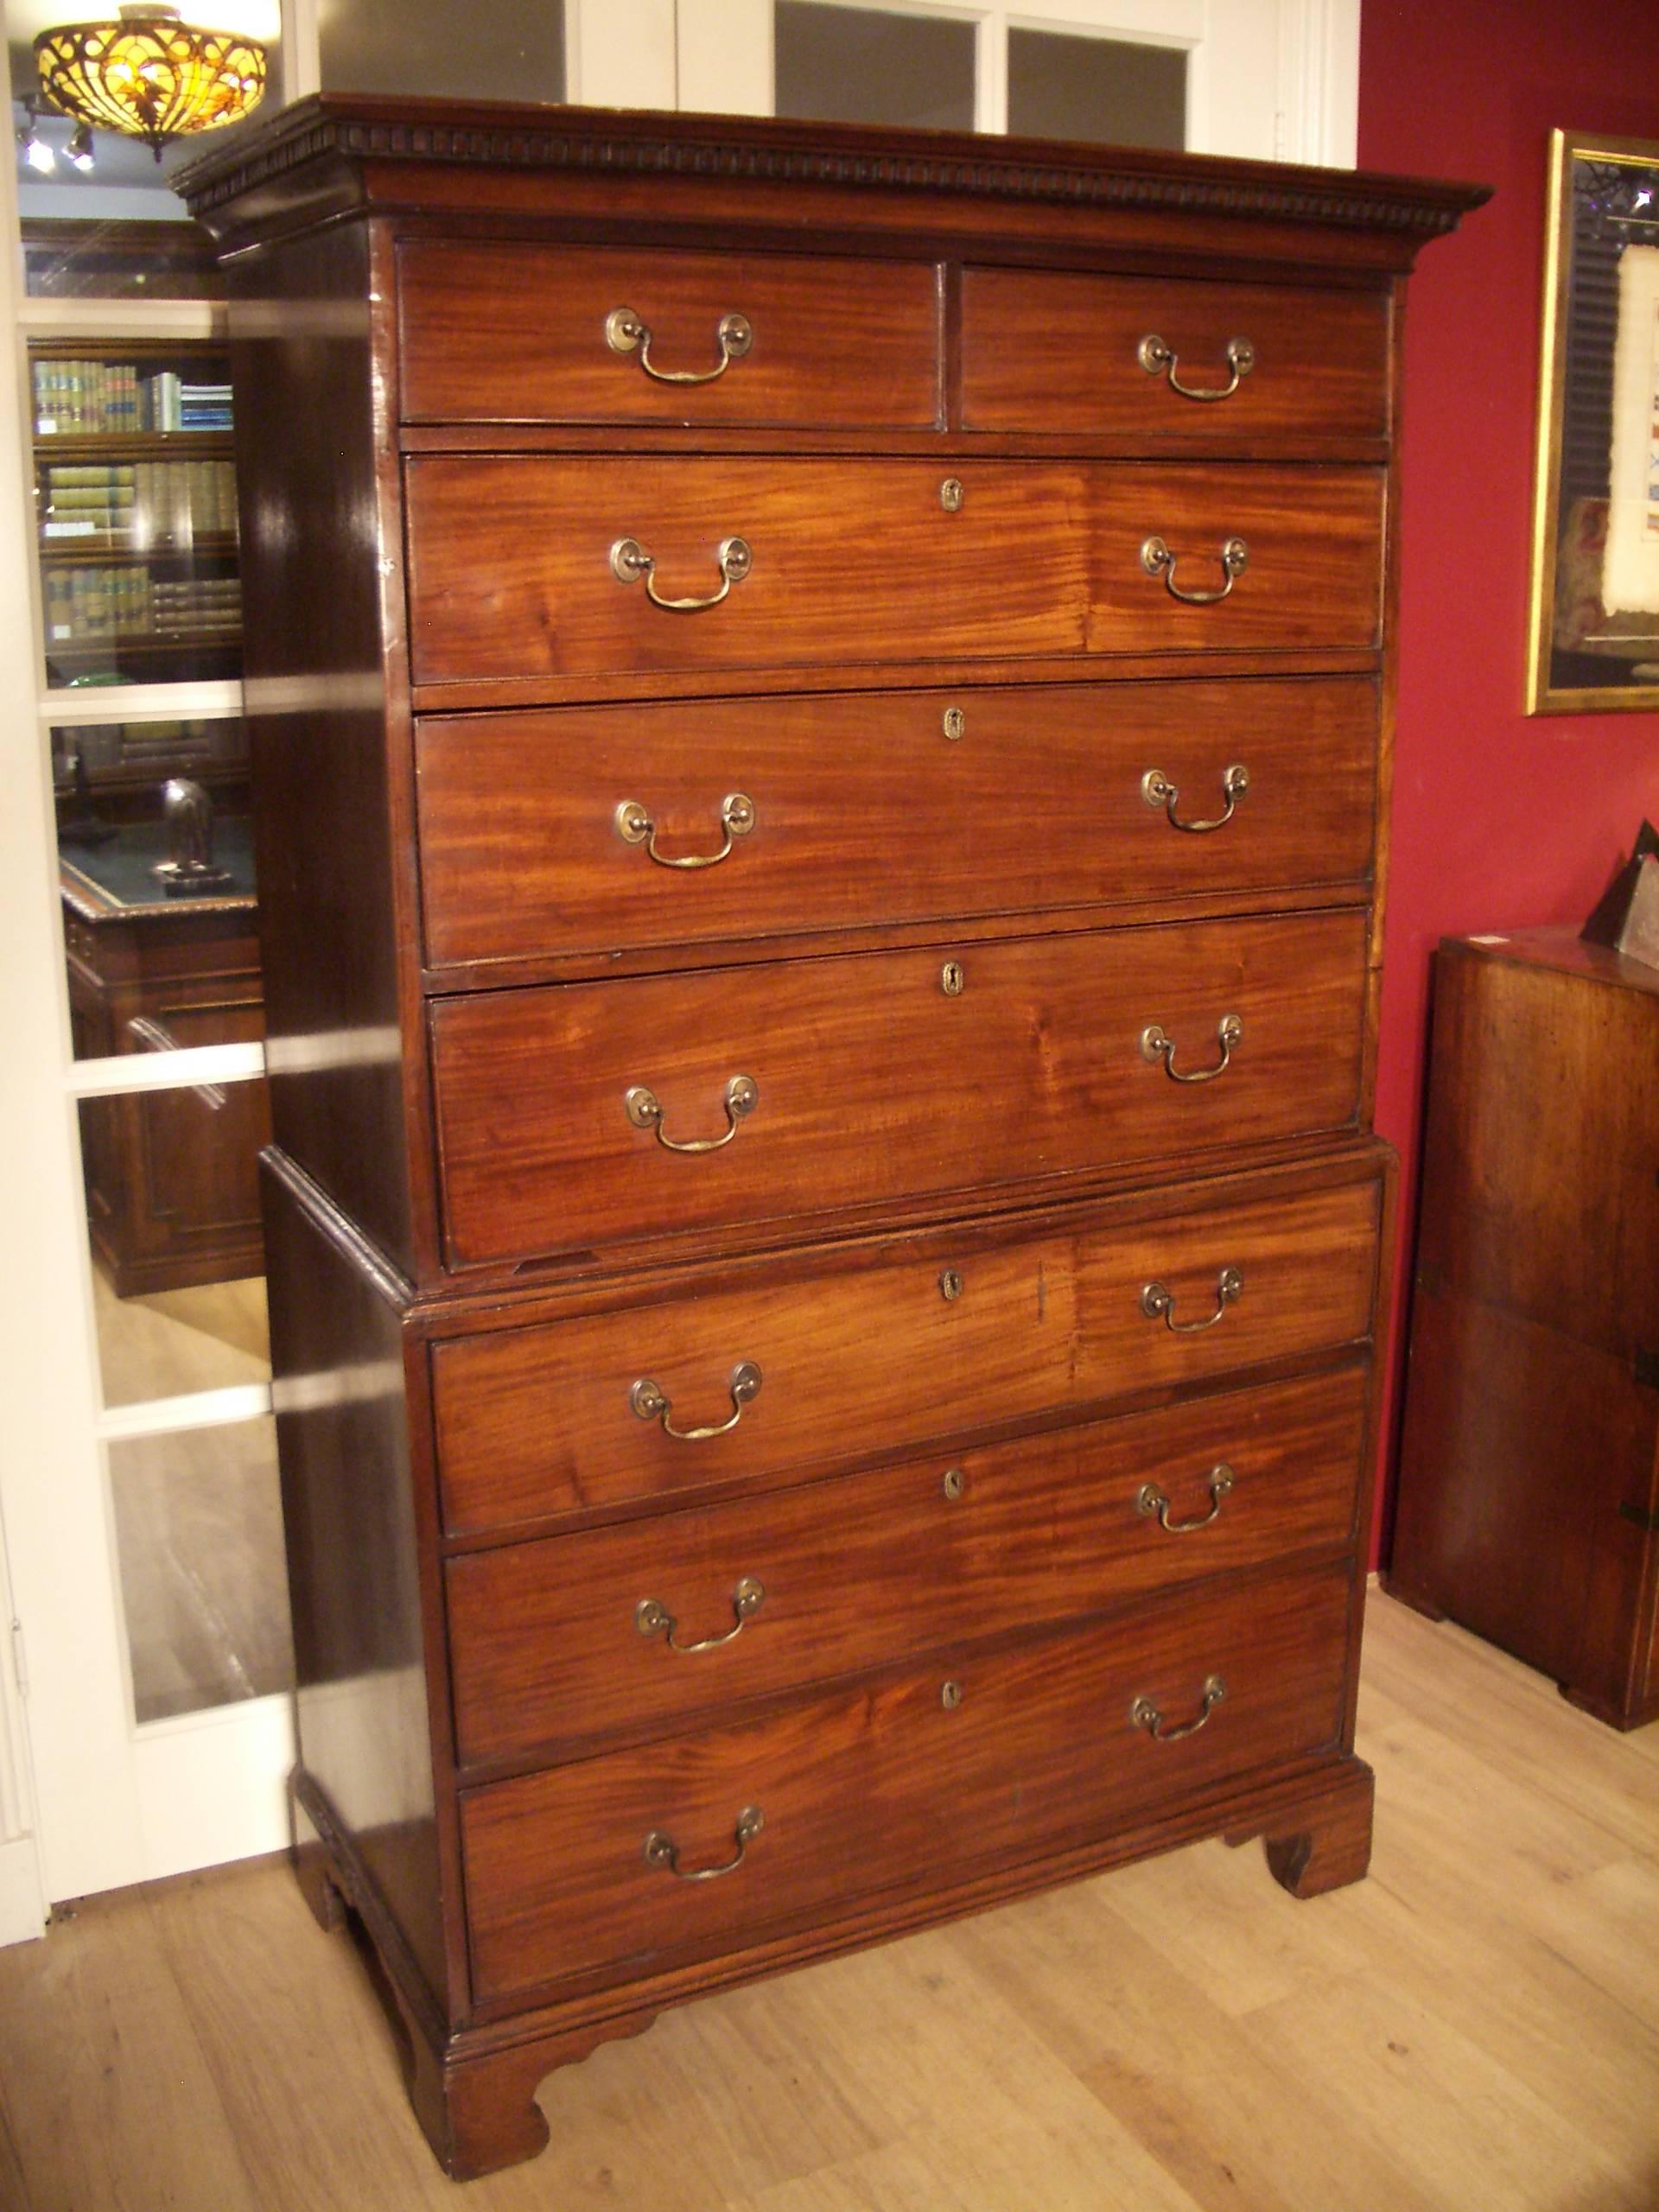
1594,627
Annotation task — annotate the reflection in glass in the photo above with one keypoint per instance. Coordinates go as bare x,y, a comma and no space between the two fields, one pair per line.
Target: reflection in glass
491,50
166,1343
862,65
1103,91
171,1175
198,1537
167,259
135,493
156,879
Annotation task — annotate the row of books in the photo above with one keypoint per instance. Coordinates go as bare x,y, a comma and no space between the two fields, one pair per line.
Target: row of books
85,605
140,504
104,398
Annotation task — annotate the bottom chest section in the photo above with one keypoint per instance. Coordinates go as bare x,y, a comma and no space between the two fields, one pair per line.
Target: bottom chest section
659,1854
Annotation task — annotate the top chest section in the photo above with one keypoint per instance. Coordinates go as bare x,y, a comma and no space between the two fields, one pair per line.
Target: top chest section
855,349
643,461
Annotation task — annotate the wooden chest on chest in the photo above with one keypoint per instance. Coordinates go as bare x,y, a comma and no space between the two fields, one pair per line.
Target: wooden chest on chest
820,711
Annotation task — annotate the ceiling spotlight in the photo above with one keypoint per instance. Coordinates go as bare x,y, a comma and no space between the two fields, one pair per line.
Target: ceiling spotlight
32,145
78,152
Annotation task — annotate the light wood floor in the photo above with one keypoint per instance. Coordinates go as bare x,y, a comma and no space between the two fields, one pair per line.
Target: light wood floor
1475,2029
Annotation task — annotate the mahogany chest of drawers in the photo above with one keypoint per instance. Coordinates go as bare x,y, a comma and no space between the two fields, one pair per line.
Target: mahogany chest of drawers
820,703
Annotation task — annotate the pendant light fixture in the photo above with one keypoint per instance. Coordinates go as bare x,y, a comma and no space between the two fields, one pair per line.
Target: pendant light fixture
150,75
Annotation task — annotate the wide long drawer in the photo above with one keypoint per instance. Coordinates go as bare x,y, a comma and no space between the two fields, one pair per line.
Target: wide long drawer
1169,358
874,1077
531,567
890,1348
575,829
902,1782
626,1628
495,332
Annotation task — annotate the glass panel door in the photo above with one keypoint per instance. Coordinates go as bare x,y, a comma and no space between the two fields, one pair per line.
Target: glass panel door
159,1637
1265,79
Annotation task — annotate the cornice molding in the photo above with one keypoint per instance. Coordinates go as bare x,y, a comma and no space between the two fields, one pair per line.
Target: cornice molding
740,149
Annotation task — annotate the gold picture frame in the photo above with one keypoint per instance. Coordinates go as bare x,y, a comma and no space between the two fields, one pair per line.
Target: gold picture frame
1593,617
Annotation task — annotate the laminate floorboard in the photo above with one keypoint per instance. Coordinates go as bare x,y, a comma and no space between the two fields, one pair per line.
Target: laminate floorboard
1473,2029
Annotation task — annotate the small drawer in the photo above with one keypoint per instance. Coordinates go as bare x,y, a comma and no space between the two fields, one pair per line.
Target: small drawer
1166,360
913,1780
616,1631
532,567
499,333
566,829
886,1348
587,1114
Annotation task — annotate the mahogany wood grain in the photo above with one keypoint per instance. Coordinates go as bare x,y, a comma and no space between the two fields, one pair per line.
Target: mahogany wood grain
517,333
1528,1500
1326,1843
874,1082
510,561
1051,350
643,172
861,1360
886,1238
355,1575
1528,1494
1543,1134
316,697
867,812
893,1783
547,1654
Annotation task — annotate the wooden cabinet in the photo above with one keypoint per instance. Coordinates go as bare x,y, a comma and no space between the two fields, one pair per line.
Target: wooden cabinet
1529,1496
819,707
171,1176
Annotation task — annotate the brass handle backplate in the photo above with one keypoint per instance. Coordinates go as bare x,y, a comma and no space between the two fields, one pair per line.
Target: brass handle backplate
648,1403
636,825
1158,360
624,332
1159,793
1158,561
1157,1044
644,1111
1144,1713
1158,1303
1150,1500
630,561
662,1849
651,1617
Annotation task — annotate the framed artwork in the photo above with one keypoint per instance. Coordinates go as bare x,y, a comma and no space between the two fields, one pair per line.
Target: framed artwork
1594,622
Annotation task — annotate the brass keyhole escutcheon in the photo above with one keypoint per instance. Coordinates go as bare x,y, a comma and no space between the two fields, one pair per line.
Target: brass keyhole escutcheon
952,495
953,979
950,1695
954,1484
950,1285
955,721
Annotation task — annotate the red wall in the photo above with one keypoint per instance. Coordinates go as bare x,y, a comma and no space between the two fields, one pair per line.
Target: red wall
1499,820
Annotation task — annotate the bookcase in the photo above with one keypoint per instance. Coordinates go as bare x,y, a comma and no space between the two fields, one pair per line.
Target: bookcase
136,500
